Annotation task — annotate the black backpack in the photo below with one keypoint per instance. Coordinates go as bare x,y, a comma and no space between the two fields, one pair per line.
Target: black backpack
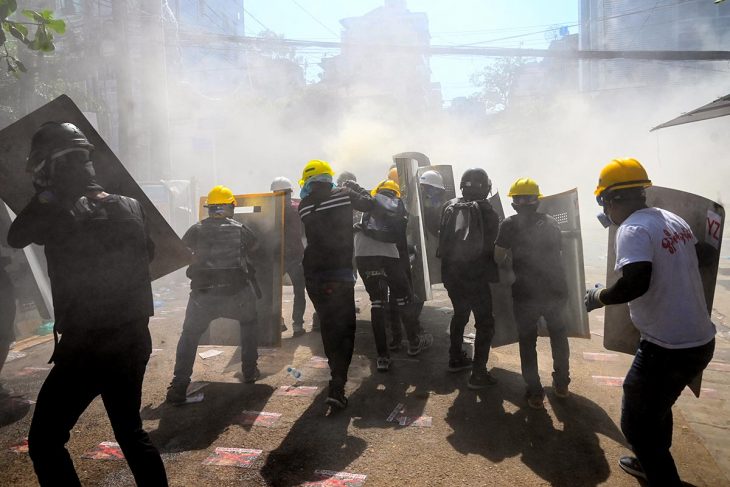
385,220
461,238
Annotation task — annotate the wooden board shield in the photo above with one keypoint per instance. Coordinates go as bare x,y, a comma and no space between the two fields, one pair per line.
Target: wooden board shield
432,219
16,188
263,213
564,208
707,220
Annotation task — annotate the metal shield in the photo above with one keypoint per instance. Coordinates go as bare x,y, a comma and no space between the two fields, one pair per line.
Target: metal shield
431,211
564,208
408,176
16,188
707,220
264,214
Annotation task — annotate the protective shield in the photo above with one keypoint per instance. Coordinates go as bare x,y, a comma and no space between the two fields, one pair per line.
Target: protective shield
432,201
707,220
564,208
264,215
408,176
16,188
29,276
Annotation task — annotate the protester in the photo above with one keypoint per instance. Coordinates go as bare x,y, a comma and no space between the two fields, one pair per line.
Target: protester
222,285
534,241
98,254
658,257
466,247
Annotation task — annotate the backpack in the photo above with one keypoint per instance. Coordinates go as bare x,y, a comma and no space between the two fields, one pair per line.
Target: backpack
384,220
461,238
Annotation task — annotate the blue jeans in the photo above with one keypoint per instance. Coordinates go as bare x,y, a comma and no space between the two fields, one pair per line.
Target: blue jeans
204,307
526,315
656,379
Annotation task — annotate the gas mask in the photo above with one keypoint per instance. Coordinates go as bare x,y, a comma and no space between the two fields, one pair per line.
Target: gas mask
525,209
602,216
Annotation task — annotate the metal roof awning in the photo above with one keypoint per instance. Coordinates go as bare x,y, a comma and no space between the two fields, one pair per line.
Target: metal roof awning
718,108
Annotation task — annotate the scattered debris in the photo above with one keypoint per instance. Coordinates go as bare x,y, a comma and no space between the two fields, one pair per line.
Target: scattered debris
258,418
318,363
194,387
210,353
327,478
21,447
195,398
608,381
600,357
13,355
399,415
296,391
106,450
233,457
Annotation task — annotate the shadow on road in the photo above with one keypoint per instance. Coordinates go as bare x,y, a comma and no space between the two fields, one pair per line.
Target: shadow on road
197,426
563,453
314,442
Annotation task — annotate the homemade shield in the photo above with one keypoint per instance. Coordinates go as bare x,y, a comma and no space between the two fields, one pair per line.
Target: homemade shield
264,215
16,188
707,220
432,201
415,231
564,208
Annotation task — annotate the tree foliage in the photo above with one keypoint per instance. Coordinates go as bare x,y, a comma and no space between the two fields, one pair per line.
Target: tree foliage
44,24
496,82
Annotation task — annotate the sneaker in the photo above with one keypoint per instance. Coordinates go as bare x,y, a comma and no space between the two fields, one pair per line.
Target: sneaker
177,393
632,466
383,364
425,340
480,380
461,363
561,391
536,401
336,397
395,344
252,377
298,332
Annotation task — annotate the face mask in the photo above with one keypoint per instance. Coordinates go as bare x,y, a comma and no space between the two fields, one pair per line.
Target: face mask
525,209
73,178
603,216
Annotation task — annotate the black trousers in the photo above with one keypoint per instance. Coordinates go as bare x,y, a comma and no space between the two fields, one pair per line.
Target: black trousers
387,285
111,365
469,296
335,305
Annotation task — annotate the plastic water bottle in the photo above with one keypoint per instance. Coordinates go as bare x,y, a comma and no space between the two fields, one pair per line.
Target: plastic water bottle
296,374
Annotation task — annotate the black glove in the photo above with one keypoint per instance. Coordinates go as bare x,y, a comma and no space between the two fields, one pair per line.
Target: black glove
592,298
352,185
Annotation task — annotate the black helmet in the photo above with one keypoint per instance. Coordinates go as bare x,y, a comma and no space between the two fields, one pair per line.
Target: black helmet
54,136
476,178
345,176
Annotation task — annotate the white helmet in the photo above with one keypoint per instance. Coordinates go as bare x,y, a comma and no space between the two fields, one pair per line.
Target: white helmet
281,184
432,178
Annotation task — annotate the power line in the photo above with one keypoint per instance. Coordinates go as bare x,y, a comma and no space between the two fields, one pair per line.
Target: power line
337,36
257,20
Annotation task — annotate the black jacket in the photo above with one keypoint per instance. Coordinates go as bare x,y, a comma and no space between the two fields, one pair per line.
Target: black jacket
98,256
327,217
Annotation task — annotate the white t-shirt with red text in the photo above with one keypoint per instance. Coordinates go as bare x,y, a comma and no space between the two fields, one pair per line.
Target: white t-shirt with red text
673,312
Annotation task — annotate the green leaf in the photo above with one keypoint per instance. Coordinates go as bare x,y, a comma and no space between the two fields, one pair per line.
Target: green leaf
17,33
20,27
21,66
33,15
58,26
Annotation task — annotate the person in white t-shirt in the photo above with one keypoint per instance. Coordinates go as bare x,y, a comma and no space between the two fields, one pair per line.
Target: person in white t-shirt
658,257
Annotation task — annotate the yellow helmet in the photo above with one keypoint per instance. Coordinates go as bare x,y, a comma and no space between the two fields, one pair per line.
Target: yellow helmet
387,184
524,187
393,175
221,195
315,168
622,174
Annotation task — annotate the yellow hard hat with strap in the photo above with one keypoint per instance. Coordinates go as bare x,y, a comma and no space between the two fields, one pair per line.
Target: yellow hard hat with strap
622,174
387,184
524,187
221,195
315,168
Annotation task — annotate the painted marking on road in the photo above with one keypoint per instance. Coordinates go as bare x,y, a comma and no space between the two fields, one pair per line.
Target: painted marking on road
210,353
258,418
106,450
233,457
330,478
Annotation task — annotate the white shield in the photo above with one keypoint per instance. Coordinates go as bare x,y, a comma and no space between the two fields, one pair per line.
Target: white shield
707,220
